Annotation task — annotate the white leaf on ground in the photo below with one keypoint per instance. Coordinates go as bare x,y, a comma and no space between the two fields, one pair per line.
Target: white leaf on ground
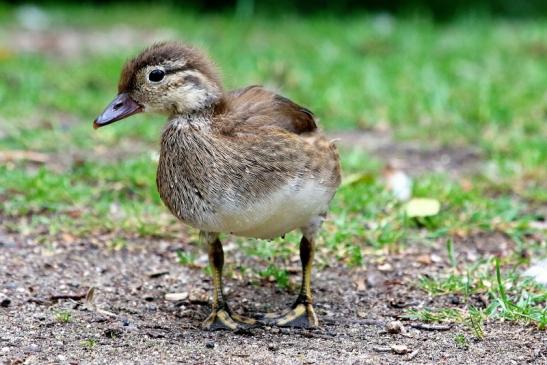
176,296
422,207
538,272
399,183
400,349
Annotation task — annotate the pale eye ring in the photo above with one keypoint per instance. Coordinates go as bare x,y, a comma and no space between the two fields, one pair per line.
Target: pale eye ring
156,75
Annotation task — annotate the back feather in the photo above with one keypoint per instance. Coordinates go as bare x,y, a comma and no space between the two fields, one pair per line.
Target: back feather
255,105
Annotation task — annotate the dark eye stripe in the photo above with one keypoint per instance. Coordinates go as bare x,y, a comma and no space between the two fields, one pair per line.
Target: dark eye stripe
192,79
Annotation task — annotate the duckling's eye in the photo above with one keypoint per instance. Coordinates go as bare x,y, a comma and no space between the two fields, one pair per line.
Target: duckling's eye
156,75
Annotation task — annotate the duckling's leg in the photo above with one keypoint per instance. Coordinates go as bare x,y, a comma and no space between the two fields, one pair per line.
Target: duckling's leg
301,313
221,317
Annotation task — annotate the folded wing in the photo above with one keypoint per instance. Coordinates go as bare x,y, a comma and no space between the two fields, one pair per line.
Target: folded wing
255,105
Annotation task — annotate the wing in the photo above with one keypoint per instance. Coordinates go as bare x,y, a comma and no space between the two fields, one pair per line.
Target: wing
255,105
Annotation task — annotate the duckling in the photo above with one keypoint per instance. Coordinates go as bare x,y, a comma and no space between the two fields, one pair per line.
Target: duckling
247,162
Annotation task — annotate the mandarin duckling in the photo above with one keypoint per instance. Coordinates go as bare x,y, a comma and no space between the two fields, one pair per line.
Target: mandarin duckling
247,162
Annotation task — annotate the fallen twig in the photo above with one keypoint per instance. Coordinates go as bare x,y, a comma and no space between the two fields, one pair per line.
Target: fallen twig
157,274
431,327
381,348
68,296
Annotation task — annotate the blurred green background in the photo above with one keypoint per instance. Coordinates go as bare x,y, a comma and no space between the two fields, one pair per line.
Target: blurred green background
471,76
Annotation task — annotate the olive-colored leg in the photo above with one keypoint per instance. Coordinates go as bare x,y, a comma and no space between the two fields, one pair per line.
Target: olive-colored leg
221,317
301,313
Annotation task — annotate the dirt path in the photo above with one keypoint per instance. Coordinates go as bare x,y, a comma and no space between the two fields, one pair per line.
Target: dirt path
40,326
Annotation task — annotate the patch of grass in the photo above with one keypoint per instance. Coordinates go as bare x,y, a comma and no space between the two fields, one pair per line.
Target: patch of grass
117,243
435,315
528,302
274,273
63,316
185,258
281,248
461,341
451,284
88,343
512,297
474,320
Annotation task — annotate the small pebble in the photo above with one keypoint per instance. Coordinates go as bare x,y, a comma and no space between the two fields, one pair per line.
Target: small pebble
400,349
39,316
272,347
394,327
210,345
198,296
32,348
5,301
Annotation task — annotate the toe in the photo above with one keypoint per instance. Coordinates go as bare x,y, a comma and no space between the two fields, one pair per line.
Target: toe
219,320
223,320
301,316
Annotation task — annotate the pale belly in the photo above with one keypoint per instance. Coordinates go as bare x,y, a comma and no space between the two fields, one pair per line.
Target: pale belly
276,214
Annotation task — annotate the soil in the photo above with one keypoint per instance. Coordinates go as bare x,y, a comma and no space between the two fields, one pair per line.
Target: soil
411,157
130,321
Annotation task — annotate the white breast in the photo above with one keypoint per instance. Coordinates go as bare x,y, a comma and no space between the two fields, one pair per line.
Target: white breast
276,214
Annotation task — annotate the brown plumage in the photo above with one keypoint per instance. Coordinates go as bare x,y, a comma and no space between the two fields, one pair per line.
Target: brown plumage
248,162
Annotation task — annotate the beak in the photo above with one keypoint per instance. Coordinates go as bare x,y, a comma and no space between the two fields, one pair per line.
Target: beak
121,107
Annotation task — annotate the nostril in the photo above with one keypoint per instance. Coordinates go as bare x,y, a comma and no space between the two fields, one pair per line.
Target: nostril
117,106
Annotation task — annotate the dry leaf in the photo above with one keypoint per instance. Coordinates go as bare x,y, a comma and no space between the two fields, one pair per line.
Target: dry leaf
360,283
424,259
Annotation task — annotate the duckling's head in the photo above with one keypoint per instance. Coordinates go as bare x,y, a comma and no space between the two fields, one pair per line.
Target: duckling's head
168,78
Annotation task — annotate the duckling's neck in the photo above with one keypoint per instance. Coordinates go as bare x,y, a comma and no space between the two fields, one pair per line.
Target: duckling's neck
181,123
196,119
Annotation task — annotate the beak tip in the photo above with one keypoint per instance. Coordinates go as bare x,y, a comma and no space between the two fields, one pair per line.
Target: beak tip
121,107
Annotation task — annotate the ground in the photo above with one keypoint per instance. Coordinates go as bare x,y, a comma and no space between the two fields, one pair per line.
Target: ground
457,107
145,328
